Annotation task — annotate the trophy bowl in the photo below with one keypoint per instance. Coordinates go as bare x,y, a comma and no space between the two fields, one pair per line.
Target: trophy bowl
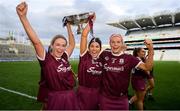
78,18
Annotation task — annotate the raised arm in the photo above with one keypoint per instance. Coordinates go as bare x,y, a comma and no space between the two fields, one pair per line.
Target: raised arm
147,66
22,12
85,32
71,45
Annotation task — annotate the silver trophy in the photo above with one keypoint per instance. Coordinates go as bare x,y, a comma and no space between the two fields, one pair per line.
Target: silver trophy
77,20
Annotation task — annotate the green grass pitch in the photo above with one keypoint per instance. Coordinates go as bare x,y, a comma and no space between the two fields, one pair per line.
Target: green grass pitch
24,76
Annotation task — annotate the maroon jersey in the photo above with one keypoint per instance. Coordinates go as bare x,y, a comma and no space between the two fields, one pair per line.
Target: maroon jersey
116,73
90,71
57,73
139,72
138,79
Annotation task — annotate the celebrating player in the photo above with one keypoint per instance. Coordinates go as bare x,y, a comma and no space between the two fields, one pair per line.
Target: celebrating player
55,67
116,73
89,71
138,80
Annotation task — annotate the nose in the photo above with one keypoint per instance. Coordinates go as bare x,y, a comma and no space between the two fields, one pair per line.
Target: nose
115,43
61,48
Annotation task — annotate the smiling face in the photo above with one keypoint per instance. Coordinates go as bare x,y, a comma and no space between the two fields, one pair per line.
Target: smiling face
141,53
116,43
58,46
94,49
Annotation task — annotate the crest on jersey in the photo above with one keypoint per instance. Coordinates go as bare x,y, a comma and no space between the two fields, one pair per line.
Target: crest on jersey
106,58
121,61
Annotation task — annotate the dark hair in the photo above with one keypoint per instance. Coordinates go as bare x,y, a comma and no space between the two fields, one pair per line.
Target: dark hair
57,37
136,51
49,49
95,39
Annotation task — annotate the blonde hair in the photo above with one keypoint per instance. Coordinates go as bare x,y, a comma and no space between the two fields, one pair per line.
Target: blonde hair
116,35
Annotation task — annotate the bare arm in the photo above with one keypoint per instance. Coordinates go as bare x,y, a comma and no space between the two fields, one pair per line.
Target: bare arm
147,66
71,45
83,42
85,32
22,11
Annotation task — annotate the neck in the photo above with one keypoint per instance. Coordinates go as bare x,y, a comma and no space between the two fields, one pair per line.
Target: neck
117,53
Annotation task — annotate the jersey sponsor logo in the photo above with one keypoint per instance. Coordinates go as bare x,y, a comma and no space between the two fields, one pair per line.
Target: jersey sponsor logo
113,69
62,68
93,71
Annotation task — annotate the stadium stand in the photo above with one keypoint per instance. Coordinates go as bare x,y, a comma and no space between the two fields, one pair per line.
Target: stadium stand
12,51
163,28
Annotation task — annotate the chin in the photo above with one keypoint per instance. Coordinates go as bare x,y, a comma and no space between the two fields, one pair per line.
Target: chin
58,54
94,55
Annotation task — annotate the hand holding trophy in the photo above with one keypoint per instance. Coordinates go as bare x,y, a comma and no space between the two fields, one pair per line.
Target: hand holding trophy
79,19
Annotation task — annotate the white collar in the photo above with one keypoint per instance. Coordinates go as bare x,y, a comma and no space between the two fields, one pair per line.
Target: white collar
139,58
57,58
122,52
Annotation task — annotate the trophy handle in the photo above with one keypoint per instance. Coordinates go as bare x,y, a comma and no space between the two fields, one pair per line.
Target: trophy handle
64,21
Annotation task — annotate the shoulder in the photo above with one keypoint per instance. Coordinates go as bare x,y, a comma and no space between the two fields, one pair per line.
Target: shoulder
85,57
86,53
106,51
129,55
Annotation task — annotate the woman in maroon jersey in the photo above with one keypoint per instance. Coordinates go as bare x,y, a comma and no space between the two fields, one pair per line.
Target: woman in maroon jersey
116,74
89,71
138,80
55,68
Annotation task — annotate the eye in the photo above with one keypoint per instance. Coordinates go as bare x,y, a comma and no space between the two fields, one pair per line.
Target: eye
64,45
118,42
112,42
97,46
